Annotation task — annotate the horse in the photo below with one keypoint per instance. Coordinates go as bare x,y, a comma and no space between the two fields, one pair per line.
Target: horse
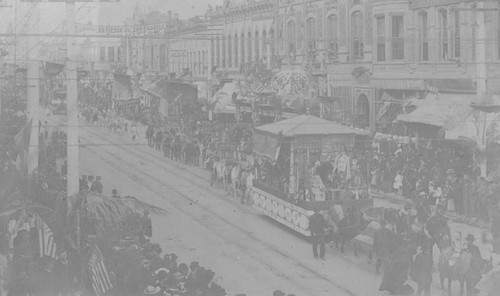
218,172
396,266
346,227
461,270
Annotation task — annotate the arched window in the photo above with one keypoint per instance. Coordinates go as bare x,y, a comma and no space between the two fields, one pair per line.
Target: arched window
236,60
423,36
264,44
217,51
229,52
398,41
357,35
249,43
332,28
291,33
273,42
443,34
257,45
223,54
242,43
456,33
311,33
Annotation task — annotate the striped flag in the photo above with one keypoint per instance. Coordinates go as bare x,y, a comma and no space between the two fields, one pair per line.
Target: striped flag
101,282
46,242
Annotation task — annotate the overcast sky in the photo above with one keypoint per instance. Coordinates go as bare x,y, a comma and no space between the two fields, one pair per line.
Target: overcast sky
53,14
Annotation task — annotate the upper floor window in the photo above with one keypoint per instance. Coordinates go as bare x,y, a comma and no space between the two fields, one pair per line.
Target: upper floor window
291,33
332,27
162,57
424,36
223,54
311,33
217,51
357,35
229,52
102,54
236,57
242,46
443,34
398,43
118,54
381,38
257,45
249,40
456,33
111,54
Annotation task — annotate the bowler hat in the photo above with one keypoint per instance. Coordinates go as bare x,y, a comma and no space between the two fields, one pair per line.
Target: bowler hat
470,238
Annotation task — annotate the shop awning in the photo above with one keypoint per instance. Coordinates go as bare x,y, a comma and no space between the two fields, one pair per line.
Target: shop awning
307,125
440,110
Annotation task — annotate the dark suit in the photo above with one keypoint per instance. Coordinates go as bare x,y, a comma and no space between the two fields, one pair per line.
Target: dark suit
317,225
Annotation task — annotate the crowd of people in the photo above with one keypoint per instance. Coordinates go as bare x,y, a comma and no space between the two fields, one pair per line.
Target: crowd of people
446,174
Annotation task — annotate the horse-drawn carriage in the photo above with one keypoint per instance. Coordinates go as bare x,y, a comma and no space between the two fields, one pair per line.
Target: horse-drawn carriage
302,165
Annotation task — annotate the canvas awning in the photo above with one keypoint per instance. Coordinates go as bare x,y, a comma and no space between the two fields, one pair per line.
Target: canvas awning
307,125
440,110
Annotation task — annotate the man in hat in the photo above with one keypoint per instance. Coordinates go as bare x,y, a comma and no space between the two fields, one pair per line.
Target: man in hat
474,274
421,271
317,226
114,194
96,185
83,184
146,228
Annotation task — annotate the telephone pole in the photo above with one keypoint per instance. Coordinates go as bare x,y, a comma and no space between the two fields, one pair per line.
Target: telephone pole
72,103
33,84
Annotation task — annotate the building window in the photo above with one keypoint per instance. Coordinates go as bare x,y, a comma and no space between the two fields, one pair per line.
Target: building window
424,37
257,46
264,45
242,45
332,27
223,54
102,54
357,35
272,42
236,57
229,52
162,57
152,57
398,43
291,33
381,38
456,33
443,34
311,34
111,54
119,54
249,43
217,51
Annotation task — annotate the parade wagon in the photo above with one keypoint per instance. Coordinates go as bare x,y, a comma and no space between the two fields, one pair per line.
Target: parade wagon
291,156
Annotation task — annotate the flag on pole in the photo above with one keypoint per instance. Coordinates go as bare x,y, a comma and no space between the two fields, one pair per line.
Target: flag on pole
101,282
22,142
46,242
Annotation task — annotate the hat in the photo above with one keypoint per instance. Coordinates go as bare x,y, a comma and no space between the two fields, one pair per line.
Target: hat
470,238
278,293
98,177
152,290
450,171
194,265
178,276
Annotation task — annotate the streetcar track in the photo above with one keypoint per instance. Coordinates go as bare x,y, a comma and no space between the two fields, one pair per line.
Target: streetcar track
213,214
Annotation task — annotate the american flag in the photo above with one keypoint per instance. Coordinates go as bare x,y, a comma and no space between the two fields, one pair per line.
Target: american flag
47,245
101,282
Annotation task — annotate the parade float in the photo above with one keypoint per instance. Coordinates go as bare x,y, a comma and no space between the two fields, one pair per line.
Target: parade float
303,164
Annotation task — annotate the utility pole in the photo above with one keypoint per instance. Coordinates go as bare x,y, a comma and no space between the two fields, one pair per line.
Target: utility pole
72,103
481,74
33,84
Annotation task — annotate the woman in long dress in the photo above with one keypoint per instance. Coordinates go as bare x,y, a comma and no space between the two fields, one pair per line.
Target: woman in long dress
398,183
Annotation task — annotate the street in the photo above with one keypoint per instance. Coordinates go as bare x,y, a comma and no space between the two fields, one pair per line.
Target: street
252,254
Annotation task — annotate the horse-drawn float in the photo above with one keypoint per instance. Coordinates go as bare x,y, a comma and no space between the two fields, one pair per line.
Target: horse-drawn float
305,163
